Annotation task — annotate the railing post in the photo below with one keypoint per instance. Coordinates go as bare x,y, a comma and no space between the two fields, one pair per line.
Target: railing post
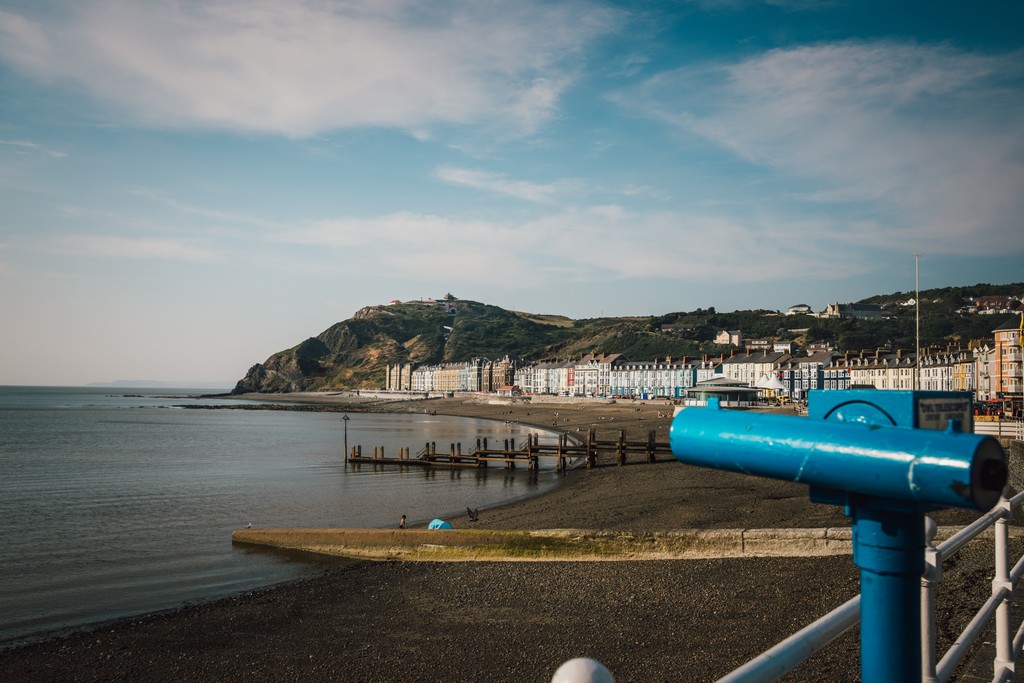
929,580
1004,634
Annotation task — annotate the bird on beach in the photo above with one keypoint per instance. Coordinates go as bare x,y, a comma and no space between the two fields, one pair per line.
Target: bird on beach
473,514
249,525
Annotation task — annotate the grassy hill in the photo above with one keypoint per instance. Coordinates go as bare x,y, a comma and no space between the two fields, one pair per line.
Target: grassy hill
355,353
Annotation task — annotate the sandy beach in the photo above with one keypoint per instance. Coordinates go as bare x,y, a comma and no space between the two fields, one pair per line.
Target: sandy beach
681,620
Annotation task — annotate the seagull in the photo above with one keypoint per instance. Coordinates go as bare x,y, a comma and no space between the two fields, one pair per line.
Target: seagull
249,525
474,515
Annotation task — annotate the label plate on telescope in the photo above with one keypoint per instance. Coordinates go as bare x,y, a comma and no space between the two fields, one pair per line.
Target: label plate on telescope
935,413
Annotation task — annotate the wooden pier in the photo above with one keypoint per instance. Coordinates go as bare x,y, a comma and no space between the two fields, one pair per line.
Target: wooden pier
596,452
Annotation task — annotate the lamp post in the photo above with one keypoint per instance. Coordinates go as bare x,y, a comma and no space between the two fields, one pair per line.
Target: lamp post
917,321
344,421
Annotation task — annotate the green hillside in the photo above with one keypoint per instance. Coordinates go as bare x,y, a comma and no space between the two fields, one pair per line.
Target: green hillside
355,353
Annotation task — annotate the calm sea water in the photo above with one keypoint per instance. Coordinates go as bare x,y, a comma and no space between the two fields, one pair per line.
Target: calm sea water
119,502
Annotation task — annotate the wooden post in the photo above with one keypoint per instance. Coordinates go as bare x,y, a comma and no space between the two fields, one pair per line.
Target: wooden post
650,446
622,447
591,453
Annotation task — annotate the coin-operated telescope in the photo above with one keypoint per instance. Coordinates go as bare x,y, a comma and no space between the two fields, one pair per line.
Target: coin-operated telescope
888,457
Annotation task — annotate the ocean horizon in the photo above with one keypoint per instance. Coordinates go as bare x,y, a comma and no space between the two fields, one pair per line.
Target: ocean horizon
120,501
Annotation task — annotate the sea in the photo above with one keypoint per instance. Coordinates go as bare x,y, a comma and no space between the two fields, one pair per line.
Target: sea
121,502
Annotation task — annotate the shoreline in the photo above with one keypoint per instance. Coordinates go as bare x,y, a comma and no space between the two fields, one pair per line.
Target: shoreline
396,621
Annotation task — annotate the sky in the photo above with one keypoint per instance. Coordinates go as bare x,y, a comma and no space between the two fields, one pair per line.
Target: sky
188,186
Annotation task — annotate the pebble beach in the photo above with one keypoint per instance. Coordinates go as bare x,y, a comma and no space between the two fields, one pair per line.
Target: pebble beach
679,620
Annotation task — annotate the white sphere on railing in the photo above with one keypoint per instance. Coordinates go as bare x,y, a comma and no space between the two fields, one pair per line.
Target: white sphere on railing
583,670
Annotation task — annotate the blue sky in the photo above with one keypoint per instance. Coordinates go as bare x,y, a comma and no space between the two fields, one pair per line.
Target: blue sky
189,186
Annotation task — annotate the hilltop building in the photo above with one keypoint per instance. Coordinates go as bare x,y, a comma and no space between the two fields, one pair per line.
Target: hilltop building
861,311
729,337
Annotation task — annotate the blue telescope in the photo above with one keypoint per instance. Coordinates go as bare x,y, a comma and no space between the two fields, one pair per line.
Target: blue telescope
932,469
866,451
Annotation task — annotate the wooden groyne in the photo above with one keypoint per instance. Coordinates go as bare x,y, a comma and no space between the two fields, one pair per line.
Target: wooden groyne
593,451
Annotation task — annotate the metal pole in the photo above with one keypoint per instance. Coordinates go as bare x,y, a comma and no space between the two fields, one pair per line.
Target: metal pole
887,546
344,421
917,320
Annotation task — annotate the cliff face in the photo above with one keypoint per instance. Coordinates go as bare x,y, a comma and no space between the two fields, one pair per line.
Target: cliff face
356,352
353,353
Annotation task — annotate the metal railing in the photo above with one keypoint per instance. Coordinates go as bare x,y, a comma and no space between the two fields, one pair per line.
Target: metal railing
1008,644
1001,429
774,663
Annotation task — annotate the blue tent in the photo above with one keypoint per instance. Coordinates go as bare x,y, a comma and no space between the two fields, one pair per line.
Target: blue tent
439,524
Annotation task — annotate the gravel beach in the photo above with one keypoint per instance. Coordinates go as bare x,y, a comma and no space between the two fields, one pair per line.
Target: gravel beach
683,620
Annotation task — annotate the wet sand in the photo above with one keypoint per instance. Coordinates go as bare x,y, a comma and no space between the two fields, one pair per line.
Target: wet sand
680,620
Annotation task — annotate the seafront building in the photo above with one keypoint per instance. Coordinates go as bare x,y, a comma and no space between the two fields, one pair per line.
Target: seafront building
1008,365
992,371
479,374
884,370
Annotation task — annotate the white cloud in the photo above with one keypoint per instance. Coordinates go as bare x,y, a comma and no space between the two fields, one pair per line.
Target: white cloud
299,67
131,248
579,244
220,216
926,144
788,5
501,184
33,147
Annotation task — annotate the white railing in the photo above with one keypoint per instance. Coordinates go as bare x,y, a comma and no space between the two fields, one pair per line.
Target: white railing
1008,645
1001,429
779,660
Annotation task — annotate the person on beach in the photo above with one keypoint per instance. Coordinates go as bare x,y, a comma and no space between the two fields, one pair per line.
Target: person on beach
401,525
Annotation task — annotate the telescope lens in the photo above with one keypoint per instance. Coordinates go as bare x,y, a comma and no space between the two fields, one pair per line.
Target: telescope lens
993,475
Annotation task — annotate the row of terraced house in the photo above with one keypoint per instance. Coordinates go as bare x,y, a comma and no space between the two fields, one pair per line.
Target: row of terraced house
992,370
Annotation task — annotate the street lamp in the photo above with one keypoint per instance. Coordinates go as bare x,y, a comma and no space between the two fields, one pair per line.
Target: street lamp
344,420
917,321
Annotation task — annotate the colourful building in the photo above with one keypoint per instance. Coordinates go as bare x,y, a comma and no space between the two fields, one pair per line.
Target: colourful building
1008,367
